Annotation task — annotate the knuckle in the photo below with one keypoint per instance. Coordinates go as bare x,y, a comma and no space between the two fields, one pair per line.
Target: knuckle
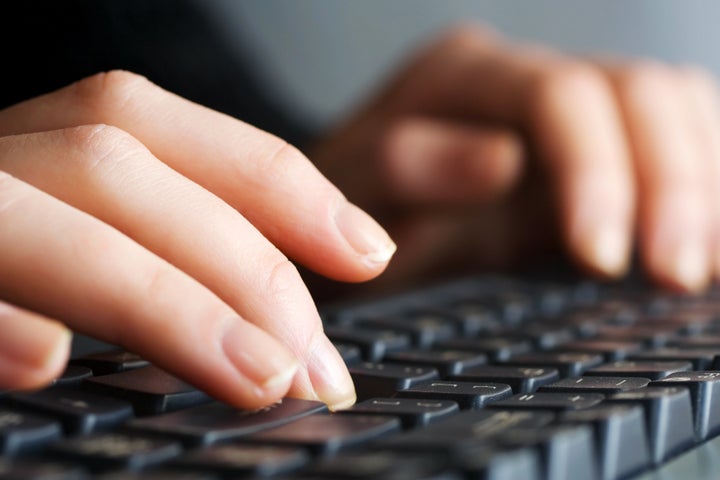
282,277
100,146
461,36
646,78
566,82
283,158
699,78
108,92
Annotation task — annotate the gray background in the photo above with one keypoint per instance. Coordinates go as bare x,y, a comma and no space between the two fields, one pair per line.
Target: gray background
324,56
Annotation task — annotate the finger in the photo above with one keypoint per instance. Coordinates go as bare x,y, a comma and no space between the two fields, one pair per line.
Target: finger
674,209
705,115
539,92
270,182
435,162
109,174
33,349
63,263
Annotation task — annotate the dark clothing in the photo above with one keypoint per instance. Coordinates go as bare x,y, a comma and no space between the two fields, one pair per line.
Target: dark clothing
49,44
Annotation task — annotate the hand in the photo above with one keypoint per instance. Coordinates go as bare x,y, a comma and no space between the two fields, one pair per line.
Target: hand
149,222
482,152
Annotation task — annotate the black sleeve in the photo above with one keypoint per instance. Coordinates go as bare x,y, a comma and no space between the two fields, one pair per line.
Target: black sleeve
49,44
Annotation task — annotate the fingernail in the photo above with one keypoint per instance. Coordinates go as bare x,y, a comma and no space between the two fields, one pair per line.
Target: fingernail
691,266
609,250
365,235
330,378
258,356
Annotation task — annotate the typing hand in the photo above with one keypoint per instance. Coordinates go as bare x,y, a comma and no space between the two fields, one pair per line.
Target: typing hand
147,221
485,152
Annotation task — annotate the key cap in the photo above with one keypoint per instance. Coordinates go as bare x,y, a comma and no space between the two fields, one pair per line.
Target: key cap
496,462
620,437
701,359
520,379
541,335
73,375
423,331
373,344
243,460
216,422
109,451
384,379
550,401
110,361
611,350
497,349
467,429
639,368
668,416
650,336
39,470
446,362
704,390
468,395
411,412
78,411
326,434
568,364
567,451
21,432
379,464
153,474
150,390
602,385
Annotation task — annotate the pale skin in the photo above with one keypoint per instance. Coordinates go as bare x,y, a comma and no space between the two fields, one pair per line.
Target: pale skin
135,216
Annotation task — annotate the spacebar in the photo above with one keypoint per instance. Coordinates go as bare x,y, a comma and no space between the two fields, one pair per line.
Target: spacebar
215,422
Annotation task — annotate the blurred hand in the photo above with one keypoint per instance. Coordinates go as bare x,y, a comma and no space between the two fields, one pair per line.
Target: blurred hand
484,153
144,220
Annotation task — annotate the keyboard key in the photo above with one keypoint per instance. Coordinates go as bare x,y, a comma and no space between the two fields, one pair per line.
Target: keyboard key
22,432
446,362
411,412
701,359
109,451
110,361
243,460
73,375
620,437
497,462
349,353
373,344
468,395
78,411
649,335
568,451
34,469
497,349
639,368
215,422
467,429
568,364
424,331
611,350
520,379
150,390
380,464
602,385
550,401
668,416
325,434
384,379
704,390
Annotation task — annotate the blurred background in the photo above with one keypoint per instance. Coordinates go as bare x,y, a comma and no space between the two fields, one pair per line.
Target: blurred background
324,56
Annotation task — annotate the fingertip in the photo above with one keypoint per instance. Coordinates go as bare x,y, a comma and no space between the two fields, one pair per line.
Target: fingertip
604,251
329,376
372,246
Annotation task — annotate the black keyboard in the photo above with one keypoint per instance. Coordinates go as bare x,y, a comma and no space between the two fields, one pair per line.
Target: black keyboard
488,378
